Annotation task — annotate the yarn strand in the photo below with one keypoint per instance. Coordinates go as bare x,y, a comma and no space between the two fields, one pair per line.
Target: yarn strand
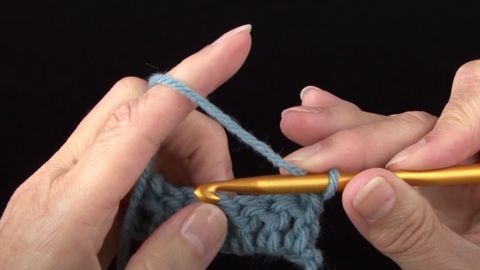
227,122
275,225
234,128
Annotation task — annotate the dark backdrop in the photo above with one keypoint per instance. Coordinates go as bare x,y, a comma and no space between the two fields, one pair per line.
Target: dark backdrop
57,60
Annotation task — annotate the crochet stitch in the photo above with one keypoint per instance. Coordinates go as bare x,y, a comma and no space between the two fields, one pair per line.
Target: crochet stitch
274,225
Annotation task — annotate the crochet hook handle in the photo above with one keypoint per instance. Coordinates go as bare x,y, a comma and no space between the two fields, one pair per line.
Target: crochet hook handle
315,183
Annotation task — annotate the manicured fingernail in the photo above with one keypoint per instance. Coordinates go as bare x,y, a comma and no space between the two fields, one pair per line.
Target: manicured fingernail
246,27
374,200
221,175
304,153
301,109
204,228
307,89
406,153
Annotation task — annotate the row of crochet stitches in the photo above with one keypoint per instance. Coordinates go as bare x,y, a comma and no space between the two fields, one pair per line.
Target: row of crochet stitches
275,225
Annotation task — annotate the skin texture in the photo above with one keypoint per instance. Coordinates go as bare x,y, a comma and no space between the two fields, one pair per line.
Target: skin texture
419,228
66,215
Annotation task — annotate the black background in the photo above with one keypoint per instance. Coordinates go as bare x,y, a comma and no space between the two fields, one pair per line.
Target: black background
58,59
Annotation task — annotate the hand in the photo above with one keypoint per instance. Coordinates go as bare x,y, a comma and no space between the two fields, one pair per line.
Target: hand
419,228
63,216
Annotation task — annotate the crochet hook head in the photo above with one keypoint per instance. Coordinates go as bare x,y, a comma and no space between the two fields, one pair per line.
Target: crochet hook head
316,183
270,184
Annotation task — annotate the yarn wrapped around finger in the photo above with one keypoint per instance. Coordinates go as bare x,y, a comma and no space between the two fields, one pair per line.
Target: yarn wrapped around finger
284,226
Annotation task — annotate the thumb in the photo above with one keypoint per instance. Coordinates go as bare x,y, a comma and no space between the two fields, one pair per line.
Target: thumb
456,136
401,224
190,239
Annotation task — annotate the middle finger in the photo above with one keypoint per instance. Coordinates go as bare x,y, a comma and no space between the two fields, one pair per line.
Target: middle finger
364,146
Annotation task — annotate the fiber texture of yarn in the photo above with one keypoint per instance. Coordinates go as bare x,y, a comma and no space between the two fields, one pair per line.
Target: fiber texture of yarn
274,225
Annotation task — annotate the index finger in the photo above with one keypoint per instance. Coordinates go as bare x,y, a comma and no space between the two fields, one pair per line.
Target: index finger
110,167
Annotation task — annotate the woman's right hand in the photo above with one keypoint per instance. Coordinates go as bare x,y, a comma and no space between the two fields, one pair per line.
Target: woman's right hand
419,228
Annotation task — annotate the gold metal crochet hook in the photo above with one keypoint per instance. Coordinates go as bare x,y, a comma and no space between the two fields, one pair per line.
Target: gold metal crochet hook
316,183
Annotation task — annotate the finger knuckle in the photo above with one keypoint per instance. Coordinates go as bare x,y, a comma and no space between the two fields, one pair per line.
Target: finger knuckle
459,119
420,117
467,84
408,234
126,120
470,70
123,118
132,87
465,96
461,122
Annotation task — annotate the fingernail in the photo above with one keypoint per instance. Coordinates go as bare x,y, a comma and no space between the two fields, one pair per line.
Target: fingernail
406,153
246,27
221,175
374,200
301,109
307,89
204,229
304,153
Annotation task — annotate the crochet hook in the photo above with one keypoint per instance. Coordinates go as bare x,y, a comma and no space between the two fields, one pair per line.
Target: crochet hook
315,183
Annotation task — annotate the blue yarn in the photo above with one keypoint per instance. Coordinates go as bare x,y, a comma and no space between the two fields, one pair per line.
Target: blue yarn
333,177
227,122
276,225
131,219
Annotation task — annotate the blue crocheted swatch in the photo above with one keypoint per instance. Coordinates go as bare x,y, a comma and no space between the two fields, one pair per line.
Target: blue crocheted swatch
274,225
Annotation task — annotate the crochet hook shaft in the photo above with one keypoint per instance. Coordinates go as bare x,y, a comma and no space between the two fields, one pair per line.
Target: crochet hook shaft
316,183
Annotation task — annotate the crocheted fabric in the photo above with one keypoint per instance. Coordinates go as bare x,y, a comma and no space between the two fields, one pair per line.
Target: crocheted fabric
274,225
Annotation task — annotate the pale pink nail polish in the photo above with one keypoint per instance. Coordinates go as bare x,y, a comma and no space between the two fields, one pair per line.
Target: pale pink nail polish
301,109
246,27
304,153
204,228
406,153
307,89
374,200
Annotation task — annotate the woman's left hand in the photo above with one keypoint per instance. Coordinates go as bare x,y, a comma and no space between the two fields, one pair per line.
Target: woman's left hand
64,215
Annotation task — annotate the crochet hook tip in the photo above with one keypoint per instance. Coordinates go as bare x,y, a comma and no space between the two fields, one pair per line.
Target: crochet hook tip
267,184
206,193
315,183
